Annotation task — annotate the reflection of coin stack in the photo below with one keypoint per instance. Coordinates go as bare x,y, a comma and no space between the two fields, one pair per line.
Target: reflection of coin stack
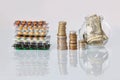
62,61
62,44
73,40
73,58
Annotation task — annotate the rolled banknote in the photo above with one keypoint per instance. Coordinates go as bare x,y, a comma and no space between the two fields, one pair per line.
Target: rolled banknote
94,34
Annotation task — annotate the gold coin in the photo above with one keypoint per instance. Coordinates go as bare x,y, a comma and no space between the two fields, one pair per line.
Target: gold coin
65,48
61,34
62,28
62,31
82,44
72,45
74,36
72,48
62,38
62,23
73,39
62,42
72,42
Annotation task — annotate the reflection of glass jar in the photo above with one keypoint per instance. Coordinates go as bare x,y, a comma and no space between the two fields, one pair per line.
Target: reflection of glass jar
94,61
95,31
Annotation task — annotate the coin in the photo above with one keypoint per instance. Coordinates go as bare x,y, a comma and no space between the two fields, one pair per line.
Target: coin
73,36
82,44
62,48
72,45
62,43
62,23
61,37
73,48
72,42
61,34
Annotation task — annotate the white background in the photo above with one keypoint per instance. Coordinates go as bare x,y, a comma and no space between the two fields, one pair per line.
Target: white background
53,11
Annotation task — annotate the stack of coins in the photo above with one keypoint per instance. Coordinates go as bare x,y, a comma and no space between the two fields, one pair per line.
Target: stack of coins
31,35
82,44
61,36
73,40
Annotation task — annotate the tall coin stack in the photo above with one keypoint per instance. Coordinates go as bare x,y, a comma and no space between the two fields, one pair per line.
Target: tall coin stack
73,40
61,36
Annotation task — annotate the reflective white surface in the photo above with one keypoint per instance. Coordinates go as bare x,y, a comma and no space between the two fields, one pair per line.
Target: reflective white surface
91,64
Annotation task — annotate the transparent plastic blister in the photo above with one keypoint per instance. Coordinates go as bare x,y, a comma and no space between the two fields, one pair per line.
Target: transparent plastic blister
32,34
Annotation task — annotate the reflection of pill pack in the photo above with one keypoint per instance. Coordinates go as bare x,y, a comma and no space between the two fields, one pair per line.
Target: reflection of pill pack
32,32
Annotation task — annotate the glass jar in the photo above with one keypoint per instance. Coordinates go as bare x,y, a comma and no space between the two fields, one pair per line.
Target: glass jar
95,31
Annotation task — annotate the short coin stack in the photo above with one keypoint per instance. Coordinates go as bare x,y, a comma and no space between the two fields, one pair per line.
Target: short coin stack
73,40
61,36
82,44
31,35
